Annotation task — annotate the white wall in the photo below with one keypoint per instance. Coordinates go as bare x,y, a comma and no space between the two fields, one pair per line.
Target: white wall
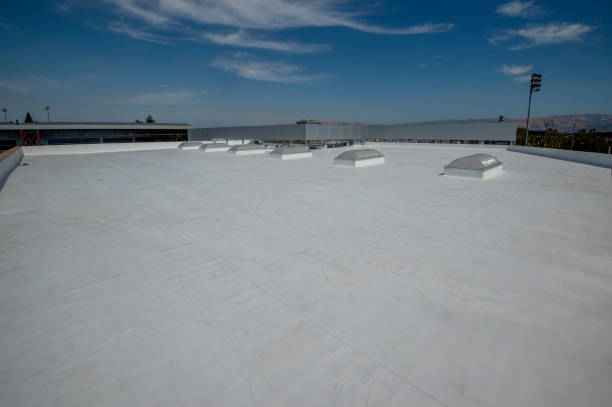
8,164
597,159
97,148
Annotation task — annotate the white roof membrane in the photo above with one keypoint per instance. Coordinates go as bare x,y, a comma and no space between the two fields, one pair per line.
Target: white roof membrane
393,287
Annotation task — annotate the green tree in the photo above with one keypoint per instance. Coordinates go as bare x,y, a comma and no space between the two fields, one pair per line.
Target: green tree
520,136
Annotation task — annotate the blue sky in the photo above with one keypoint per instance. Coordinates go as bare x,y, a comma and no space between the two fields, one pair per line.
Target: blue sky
217,62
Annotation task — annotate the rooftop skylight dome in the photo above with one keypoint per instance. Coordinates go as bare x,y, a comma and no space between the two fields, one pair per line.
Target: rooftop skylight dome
247,149
214,147
290,152
190,145
360,158
480,165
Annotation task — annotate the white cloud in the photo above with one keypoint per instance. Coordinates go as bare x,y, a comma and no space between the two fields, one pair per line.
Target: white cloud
28,83
121,28
522,78
244,66
160,98
242,39
261,14
518,8
511,70
544,34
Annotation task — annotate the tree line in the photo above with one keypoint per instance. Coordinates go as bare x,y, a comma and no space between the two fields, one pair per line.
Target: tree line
583,140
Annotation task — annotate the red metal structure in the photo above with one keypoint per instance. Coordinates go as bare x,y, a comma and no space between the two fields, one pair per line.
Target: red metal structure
29,137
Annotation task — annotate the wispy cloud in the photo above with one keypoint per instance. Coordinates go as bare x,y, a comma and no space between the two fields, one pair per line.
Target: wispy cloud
262,14
518,8
6,26
124,29
28,83
160,98
180,19
522,78
544,34
243,39
511,70
245,66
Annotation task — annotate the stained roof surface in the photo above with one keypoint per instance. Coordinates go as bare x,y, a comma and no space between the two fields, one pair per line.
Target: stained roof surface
177,278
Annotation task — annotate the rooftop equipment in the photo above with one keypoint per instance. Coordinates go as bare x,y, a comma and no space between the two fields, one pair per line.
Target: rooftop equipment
291,152
214,147
360,158
190,145
247,149
480,165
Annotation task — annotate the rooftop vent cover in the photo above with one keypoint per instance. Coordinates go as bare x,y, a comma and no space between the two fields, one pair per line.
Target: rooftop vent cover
360,158
476,166
291,152
244,149
190,145
213,147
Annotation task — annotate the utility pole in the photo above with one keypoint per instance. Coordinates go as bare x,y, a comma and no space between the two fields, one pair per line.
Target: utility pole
47,108
534,86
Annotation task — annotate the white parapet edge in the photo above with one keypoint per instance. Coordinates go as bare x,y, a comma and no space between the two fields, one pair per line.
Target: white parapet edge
293,156
478,174
9,160
583,157
359,163
249,152
98,148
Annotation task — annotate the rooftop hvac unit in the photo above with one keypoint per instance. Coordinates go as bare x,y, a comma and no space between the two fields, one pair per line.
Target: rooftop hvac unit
480,165
247,149
214,147
190,145
360,158
290,152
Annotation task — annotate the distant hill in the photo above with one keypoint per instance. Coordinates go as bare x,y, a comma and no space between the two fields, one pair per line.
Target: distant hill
564,123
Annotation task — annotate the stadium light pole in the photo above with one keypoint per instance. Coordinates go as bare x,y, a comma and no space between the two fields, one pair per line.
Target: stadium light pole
534,86
47,108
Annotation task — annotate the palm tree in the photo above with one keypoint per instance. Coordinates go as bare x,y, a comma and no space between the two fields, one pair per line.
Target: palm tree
47,108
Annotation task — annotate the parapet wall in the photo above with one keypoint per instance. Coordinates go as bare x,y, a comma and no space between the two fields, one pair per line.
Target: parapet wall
98,148
9,160
597,159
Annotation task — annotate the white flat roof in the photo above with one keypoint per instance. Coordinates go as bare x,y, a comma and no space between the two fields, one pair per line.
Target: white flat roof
180,278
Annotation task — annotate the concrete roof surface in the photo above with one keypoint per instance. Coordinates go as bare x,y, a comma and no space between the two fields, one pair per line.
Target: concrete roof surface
176,278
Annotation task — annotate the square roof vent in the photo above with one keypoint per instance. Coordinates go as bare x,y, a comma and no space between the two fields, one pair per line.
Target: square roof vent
214,147
360,158
190,145
291,152
247,149
479,165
